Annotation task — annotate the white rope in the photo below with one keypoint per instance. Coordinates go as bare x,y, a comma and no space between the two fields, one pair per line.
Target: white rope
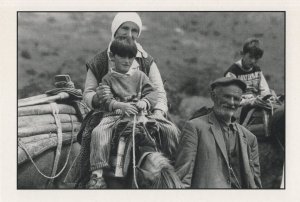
55,112
22,146
71,145
272,108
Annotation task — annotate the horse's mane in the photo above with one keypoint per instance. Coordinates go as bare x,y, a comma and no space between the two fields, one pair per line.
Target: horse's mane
163,174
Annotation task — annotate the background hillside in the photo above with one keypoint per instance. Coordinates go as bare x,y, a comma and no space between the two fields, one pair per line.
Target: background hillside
191,49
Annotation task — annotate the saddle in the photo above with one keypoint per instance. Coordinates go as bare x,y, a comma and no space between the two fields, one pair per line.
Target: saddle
145,135
257,118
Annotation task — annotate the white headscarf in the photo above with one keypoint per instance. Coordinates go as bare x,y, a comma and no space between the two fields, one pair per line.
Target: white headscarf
121,18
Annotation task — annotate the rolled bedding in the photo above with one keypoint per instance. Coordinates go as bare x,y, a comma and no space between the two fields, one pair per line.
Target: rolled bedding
44,119
49,128
45,109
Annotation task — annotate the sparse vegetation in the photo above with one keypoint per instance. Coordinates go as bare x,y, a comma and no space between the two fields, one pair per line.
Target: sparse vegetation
191,49
25,54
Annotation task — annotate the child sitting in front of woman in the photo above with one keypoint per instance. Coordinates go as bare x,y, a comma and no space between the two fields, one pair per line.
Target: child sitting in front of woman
127,84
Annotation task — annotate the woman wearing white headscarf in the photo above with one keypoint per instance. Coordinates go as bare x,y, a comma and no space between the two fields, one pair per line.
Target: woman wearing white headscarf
124,24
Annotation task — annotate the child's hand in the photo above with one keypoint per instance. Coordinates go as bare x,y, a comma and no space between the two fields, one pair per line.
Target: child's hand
127,108
141,105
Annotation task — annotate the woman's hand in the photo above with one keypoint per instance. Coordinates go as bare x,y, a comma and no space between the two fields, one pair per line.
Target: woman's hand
103,92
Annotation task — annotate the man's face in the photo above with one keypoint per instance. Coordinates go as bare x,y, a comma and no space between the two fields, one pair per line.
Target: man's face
226,100
249,61
128,29
122,64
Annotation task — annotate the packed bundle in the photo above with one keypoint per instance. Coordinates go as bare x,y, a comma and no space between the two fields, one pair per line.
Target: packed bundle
50,120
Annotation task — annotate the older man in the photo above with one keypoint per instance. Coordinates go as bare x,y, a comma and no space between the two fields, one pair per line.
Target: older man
215,151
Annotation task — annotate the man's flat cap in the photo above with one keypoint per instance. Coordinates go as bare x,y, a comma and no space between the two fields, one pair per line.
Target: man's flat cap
225,81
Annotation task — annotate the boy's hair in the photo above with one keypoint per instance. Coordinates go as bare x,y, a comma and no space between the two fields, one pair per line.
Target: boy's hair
251,46
124,47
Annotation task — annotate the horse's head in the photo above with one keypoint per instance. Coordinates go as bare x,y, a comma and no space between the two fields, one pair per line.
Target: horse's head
156,171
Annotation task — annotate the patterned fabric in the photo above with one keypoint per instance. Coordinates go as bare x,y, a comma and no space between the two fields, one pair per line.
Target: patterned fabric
102,136
167,140
100,142
256,83
84,138
170,135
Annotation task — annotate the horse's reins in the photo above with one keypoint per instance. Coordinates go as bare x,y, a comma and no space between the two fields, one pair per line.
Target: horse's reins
133,152
133,137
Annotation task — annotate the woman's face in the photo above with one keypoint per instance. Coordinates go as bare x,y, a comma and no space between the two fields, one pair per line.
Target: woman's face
128,29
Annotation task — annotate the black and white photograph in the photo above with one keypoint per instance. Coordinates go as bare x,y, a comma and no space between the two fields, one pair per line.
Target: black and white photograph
151,100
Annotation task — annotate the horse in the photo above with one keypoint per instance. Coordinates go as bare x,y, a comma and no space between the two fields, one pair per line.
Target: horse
146,166
272,151
267,122
136,159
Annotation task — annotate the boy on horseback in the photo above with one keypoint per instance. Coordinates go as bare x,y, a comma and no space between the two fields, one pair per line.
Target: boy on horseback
248,71
131,92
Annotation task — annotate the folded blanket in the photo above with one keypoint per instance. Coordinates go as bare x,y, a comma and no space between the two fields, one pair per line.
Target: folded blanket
49,128
45,109
44,119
